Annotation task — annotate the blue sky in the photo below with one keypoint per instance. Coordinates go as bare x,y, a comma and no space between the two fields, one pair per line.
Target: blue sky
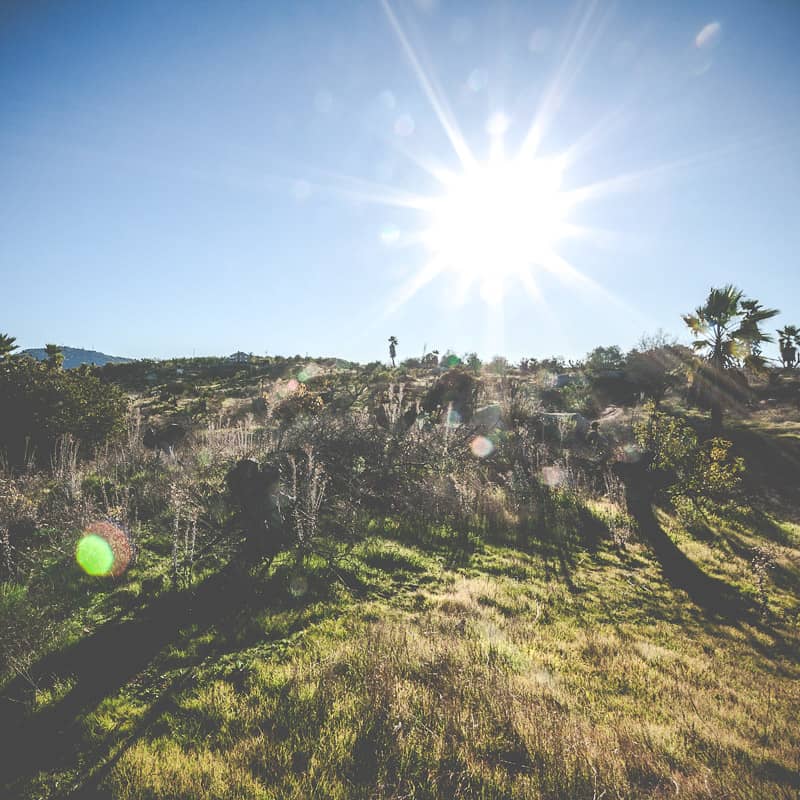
195,177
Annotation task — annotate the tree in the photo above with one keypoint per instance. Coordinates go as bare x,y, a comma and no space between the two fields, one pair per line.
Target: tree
431,359
656,370
727,337
788,342
604,359
754,315
392,348
55,356
39,404
7,345
472,361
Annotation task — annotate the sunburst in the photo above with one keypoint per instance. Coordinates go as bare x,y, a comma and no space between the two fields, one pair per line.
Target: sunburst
497,224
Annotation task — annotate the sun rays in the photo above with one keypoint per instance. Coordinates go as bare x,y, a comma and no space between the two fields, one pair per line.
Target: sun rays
495,225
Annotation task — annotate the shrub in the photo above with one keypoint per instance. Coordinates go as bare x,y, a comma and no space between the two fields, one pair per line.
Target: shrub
301,402
456,386
39,404
697,475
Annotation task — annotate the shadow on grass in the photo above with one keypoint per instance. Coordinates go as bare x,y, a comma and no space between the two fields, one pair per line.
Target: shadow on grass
713,595
101,664
773,464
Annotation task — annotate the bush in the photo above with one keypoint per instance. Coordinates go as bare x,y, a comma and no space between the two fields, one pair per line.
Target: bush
698,475
39,404
301,402
457,387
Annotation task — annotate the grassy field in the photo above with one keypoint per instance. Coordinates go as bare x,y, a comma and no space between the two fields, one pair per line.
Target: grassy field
408,676
607,658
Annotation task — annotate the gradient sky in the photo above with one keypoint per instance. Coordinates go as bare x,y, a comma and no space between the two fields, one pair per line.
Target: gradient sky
191,177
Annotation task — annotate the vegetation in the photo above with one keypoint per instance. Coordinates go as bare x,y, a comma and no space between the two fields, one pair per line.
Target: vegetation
728,336
7,345
788,342
328,580
40,404
55,356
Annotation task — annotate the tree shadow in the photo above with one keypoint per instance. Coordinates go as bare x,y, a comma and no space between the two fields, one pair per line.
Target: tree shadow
102,663
89,782
713,595
772,466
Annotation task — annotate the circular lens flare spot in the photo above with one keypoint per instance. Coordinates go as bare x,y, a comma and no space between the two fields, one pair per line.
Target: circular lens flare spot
306,374
404,125
481,447
94,555
104,549
554,476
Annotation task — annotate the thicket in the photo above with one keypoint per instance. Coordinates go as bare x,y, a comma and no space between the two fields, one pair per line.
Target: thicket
334,460
40,403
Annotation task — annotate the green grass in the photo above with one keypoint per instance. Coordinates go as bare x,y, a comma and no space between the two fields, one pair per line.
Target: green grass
405,678
431,666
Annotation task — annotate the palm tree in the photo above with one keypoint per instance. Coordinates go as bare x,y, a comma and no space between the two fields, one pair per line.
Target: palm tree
727,336
753,336
392,348
788,342
7,345
55,356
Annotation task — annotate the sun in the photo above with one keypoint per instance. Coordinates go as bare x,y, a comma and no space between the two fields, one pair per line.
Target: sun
497,221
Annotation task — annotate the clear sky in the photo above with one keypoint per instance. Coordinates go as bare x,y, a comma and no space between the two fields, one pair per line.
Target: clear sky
205,177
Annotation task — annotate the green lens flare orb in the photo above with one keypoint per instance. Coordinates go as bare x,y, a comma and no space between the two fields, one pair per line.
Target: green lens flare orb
94,555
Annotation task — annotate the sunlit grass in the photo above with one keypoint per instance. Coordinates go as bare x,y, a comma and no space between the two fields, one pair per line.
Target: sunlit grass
427,664
497,682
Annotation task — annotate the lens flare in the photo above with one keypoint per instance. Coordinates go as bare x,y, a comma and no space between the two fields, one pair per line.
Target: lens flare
104,549
631,453
307,373
497,221
94,555
481,447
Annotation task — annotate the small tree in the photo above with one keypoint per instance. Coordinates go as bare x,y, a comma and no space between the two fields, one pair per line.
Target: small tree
39,404
604,359
472,361
697,476
727,336
7,345
788,342
431,359
654,371
392,348
55,356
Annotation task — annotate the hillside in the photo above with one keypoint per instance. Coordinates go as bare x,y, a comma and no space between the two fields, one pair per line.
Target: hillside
75,356
464,606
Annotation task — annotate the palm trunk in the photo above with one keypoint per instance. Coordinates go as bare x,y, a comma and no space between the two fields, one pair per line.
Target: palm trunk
716,416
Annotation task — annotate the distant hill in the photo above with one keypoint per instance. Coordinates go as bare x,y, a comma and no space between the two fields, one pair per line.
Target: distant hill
75,356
